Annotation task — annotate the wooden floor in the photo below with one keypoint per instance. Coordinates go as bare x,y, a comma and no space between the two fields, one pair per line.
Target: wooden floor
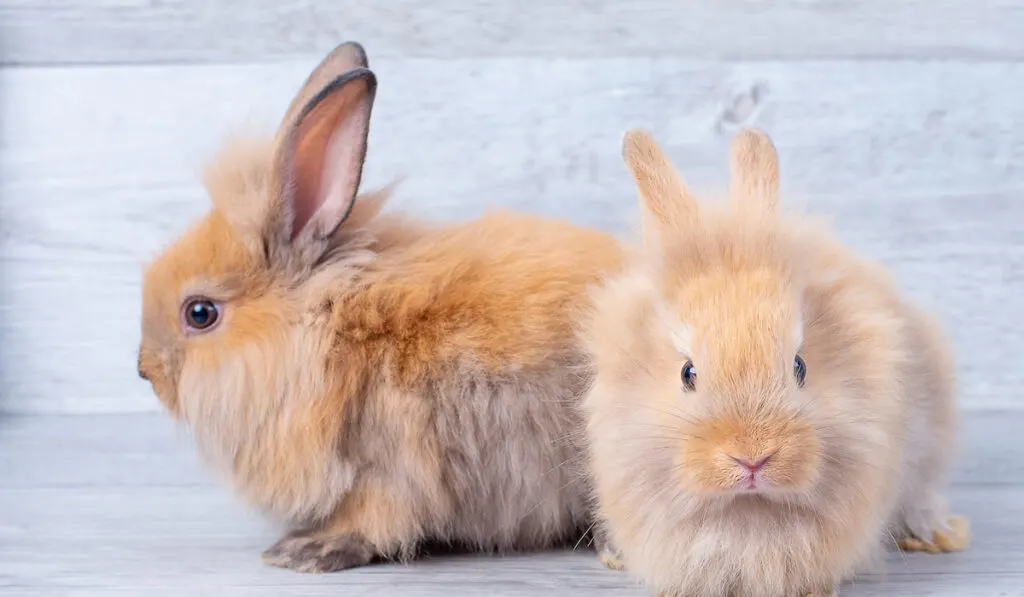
117,505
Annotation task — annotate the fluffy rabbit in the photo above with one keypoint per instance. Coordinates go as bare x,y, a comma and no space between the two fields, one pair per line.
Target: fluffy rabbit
370,381
767,411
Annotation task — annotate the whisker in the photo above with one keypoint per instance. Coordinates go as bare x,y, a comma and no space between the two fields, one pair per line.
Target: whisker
577,456
675,414
584,535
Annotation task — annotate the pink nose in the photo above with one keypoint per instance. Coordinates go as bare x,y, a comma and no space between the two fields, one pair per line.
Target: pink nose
751,465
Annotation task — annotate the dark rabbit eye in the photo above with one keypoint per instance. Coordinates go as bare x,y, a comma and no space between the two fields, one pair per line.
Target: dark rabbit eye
689,376
200,314
799,370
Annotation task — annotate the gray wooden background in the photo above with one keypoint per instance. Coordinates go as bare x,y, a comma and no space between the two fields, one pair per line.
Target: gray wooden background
904,119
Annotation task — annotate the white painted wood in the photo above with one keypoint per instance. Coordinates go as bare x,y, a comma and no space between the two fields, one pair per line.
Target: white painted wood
920,162
147,523
119,31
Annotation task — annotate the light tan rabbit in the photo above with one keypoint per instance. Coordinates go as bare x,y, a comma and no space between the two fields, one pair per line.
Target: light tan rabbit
370,381
767,410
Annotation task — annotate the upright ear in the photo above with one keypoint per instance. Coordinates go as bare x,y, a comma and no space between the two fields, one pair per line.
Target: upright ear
755,172
321,149
662,190
346,57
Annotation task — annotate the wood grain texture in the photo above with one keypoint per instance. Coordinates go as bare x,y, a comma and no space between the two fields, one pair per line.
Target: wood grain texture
138,31
74,523
921,164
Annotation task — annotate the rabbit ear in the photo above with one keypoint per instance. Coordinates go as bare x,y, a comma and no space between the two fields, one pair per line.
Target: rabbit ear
321,149
346,57
662,190
754,164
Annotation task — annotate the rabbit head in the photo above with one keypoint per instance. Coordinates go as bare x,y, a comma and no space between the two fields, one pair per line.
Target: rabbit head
227,341
747,401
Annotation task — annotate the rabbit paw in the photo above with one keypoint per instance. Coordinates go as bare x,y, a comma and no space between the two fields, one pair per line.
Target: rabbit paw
611,559
607,554
306,551
955,537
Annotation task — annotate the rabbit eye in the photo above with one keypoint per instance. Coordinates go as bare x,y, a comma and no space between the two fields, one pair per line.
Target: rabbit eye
799,370
200,314
689,376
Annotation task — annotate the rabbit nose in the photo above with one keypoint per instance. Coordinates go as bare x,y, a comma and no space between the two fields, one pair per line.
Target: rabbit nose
751,465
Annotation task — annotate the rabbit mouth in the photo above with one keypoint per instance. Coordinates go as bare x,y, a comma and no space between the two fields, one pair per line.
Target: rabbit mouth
753,473
754,482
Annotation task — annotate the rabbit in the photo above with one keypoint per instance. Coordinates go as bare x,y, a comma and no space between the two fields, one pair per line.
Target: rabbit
369,381
767,412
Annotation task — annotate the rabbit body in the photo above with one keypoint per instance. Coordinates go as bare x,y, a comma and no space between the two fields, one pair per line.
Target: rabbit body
369,380
767,411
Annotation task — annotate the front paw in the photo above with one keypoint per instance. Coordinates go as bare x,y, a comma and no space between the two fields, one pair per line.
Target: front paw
316,552
955,537
607,553
611,559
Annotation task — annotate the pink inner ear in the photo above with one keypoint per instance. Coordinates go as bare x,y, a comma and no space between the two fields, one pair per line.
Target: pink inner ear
328,156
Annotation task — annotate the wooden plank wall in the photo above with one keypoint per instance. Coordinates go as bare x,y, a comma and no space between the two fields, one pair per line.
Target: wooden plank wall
902,119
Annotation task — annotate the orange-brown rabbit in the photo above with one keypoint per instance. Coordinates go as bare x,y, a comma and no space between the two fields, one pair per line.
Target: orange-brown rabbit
370,381
767,410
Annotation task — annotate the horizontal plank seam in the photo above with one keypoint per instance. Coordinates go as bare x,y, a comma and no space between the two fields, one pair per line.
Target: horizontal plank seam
689,58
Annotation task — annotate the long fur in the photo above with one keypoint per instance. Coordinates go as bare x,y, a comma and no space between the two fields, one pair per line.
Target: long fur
859,455
417,381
